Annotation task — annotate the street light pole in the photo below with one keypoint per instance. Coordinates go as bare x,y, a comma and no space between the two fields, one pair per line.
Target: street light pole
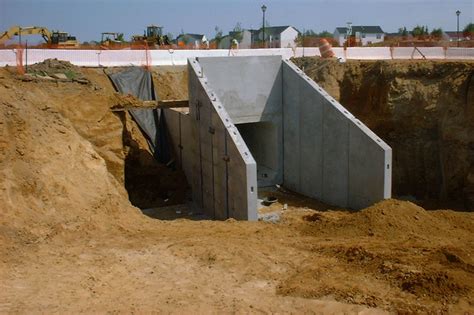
264,8
458,13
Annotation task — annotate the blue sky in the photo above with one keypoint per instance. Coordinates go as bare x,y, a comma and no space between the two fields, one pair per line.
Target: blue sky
86,19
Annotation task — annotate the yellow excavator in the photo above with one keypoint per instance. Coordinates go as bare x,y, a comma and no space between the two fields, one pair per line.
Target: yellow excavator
53,39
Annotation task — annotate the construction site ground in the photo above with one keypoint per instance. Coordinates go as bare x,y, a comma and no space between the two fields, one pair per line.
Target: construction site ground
73,175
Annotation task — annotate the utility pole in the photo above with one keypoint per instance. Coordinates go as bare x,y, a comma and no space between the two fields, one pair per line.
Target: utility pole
458,13
19,35
264,8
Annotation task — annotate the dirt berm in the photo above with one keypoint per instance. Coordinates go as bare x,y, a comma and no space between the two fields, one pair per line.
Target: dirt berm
71,241
424,110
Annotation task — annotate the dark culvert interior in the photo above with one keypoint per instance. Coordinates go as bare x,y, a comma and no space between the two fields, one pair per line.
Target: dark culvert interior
151,178
149,183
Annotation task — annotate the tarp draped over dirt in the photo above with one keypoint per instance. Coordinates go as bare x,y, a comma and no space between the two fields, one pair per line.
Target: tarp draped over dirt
139,83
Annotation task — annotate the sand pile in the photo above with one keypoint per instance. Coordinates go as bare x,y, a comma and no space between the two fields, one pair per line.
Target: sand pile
51,178
394,255
66,158
57,69
390,219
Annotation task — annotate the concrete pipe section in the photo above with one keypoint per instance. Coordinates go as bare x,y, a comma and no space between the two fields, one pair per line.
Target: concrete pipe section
260,121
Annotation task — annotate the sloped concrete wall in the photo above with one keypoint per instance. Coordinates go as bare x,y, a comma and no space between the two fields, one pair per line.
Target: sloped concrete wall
223,171
329,154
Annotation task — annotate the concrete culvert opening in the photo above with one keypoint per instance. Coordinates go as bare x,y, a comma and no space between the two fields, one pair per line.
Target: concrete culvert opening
262,141
258,121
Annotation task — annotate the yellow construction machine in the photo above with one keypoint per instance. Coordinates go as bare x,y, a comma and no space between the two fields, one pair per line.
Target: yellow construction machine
53,39
152,37
112,40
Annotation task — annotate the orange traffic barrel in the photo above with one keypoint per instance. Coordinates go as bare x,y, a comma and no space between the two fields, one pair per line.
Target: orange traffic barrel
325,49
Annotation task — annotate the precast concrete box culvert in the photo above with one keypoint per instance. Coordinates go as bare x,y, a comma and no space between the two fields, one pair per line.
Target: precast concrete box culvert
260,121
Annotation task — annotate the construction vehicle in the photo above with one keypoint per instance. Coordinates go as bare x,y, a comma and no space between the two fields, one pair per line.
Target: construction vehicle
152,37
53,39
111,40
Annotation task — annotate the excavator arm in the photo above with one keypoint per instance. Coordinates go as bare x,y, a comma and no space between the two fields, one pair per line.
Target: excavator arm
29,30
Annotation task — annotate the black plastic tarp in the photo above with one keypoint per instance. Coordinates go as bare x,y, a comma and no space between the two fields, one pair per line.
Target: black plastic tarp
139,83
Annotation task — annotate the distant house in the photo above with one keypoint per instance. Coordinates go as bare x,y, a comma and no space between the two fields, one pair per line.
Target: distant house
363,34
277,36
192,40
452,36
242,38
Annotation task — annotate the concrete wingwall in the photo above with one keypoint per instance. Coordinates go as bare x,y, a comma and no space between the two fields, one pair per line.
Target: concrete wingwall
328,154
217,162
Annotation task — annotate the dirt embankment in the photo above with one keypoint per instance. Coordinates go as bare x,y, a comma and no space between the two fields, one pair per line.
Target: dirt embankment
72,242
424,110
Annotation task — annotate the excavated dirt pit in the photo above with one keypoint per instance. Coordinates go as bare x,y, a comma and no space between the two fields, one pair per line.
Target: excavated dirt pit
71,240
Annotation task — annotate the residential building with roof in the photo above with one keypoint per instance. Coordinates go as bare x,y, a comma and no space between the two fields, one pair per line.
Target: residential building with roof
243,38
363,34
452,36
277,36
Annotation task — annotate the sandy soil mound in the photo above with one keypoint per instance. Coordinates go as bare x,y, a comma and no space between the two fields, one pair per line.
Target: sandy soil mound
391,219
424,110
411,257
57,69
52,179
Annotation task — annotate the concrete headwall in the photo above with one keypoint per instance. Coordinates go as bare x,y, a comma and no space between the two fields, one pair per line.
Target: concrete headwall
250,89
328,154
222,169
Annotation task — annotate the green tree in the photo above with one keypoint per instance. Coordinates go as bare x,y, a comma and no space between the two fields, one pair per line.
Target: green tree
419,31
238,32
218,36
437,33
325,34
468,31
402,31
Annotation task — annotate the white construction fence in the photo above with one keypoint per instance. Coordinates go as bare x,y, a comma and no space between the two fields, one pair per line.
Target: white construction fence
114,58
